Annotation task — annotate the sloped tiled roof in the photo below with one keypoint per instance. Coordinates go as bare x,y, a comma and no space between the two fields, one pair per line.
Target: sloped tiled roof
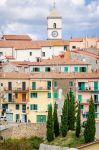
17,37
52,75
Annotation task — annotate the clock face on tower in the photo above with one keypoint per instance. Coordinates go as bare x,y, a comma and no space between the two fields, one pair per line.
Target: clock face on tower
54,33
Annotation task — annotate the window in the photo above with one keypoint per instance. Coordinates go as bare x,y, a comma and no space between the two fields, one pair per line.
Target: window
55,95
1,84
33,85
9,85
95,108
17,117
38,59
16,95
49,105
43,54
96,61
23,97
73,47
17,107
49,95
65,48
9,97
33,107
1,53
96,86
54,25
81,106
80,98
23,85
71,83
49,85
41,118
55,83
30,53
83,69
76,69
33,95
85,115
81,86
36,69
47,69
24,108
95,98
65,69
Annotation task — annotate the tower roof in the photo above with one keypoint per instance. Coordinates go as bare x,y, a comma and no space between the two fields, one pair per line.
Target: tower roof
54,13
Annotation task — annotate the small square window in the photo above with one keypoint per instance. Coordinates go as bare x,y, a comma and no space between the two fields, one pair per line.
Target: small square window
30,53
73,47
1,84
43,54
17,107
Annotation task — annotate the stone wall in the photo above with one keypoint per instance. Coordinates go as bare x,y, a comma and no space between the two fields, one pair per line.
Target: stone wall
25,130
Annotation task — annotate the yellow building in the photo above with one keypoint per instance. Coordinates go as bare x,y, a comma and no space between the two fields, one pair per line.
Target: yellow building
41,97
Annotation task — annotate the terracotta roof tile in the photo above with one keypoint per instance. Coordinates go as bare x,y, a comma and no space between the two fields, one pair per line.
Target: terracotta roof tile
86,53
17,37
52,75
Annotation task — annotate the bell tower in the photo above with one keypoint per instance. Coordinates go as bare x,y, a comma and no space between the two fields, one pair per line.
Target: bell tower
54,24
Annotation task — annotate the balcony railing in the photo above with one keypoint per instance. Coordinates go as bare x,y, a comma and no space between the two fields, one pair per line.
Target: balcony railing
88,89
23,111
41,89
16,89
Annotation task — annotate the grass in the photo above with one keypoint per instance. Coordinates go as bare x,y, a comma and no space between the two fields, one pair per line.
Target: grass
70,140
21,144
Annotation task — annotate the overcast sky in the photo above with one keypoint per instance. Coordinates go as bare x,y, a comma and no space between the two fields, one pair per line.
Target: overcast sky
80,17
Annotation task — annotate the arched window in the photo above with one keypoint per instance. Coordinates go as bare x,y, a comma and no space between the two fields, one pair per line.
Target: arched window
54,25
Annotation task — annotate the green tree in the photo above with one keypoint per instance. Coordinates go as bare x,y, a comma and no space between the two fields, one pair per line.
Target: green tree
50,128
55,120
64,118
78,122
71,110
90,129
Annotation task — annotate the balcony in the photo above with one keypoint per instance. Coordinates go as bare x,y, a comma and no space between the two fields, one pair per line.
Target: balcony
16,89
96,101
88,89
41,89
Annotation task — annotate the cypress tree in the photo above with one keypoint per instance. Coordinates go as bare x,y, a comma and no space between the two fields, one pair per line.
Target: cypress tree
64,118
78,122
56,123
50,128
71,110
90,129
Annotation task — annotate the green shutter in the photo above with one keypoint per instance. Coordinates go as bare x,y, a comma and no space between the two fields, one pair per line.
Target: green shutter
38,69
82,85
55,83
30,95
76,69
31,106
49,105
80,98
55,95
95,107
65,69
33,85
49,84
41,118
49,95
46,69
32,69
96,86
35,107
